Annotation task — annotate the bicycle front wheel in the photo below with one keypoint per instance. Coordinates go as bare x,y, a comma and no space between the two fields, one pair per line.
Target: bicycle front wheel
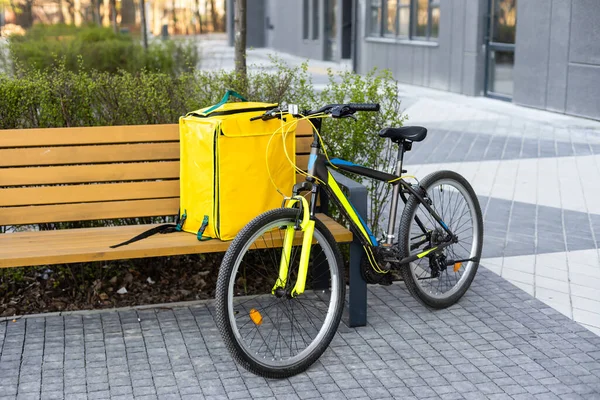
441,278
271,333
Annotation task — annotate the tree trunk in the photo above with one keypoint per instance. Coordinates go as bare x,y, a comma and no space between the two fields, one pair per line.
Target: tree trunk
95,11
240,39
198,15
23,13
144,27
127,13
97,15
61,15
214,16
174,18
113,15
71,11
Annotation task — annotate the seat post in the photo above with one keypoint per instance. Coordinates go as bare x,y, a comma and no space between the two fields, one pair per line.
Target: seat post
401,151
390,234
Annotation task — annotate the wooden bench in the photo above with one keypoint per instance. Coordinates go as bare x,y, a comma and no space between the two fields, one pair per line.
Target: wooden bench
103,173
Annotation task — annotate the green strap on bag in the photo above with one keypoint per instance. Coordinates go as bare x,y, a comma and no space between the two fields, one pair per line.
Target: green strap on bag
225,99
202,229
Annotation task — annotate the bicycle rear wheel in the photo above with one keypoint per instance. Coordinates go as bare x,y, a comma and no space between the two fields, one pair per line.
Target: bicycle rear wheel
273,334
439,279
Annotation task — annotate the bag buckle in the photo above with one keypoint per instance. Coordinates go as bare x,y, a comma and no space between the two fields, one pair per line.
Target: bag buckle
202,229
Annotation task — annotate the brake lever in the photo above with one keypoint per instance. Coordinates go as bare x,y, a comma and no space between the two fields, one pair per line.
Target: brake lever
354,117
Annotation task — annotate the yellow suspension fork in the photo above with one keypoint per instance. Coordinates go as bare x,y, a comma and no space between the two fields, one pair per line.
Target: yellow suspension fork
307,226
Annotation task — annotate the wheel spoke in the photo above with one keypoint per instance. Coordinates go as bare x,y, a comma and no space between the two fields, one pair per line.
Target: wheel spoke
431,278
273,328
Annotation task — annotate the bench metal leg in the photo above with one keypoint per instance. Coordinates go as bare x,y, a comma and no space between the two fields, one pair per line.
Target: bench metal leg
358,287
357,194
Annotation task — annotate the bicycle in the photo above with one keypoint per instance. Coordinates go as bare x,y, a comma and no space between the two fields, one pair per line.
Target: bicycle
281,287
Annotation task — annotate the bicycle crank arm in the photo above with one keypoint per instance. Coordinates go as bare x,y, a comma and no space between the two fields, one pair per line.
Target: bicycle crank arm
418,256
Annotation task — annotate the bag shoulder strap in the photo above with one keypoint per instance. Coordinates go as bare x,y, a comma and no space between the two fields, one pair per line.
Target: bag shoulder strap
224,100
166,228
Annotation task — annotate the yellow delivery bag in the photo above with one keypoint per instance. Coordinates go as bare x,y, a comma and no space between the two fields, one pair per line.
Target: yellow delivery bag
231,167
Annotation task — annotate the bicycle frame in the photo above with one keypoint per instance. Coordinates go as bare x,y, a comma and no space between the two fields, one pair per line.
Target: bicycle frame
318,166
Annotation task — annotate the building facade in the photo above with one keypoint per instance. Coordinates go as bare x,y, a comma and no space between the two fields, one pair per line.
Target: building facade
537,53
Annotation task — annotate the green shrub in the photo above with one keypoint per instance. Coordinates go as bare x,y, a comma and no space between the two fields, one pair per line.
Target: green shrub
46,47
66,98
61,97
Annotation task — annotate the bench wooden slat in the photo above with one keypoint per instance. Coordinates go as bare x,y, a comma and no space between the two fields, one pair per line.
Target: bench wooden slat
89,193
302,162
10,138
14,254
89,173
303,145
304,129
88,211
88,135
103,238
88,154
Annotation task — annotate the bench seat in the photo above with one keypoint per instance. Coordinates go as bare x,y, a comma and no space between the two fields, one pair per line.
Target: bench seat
21,249
56,175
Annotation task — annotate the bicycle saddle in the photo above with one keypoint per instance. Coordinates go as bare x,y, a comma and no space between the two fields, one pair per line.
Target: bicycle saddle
412,133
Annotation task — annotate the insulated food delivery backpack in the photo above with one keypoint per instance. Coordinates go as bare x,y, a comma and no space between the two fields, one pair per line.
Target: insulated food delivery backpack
231,168
227,175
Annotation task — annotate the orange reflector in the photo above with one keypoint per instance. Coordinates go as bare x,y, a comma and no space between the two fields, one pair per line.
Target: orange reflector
457,266
255,316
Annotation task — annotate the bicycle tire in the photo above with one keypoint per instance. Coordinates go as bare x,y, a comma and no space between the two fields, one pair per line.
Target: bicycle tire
415,283
227,312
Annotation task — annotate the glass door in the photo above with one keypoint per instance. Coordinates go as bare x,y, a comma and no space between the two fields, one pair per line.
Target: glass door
501,49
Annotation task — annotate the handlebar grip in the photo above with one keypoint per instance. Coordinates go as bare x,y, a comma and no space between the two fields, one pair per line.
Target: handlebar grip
364,106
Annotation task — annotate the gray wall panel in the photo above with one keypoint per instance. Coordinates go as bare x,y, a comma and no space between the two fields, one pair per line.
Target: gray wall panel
255,21
532,52
403,70
457,38
583,93
437,59
286,36
585,32
559,55
470,86
418,70
439,65
472,29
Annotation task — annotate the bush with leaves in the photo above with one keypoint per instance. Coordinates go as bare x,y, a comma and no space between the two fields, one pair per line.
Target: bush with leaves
46,47
65,98
357,141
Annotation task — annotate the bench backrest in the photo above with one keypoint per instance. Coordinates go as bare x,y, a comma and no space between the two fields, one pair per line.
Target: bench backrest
94,173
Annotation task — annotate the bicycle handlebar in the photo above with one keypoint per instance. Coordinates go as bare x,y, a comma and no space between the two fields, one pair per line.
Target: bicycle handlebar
364,106
340,110
336,111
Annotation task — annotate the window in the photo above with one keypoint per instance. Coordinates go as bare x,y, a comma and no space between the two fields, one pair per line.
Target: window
375,16
408,19
427,19
315,14
310,19
305,20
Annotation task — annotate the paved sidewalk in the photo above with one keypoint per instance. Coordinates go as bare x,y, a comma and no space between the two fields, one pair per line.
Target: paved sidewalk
497,343
537,176
536,172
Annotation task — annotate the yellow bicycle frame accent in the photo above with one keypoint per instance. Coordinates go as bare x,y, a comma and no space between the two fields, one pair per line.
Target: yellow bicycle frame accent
423,254
337,191
308,227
